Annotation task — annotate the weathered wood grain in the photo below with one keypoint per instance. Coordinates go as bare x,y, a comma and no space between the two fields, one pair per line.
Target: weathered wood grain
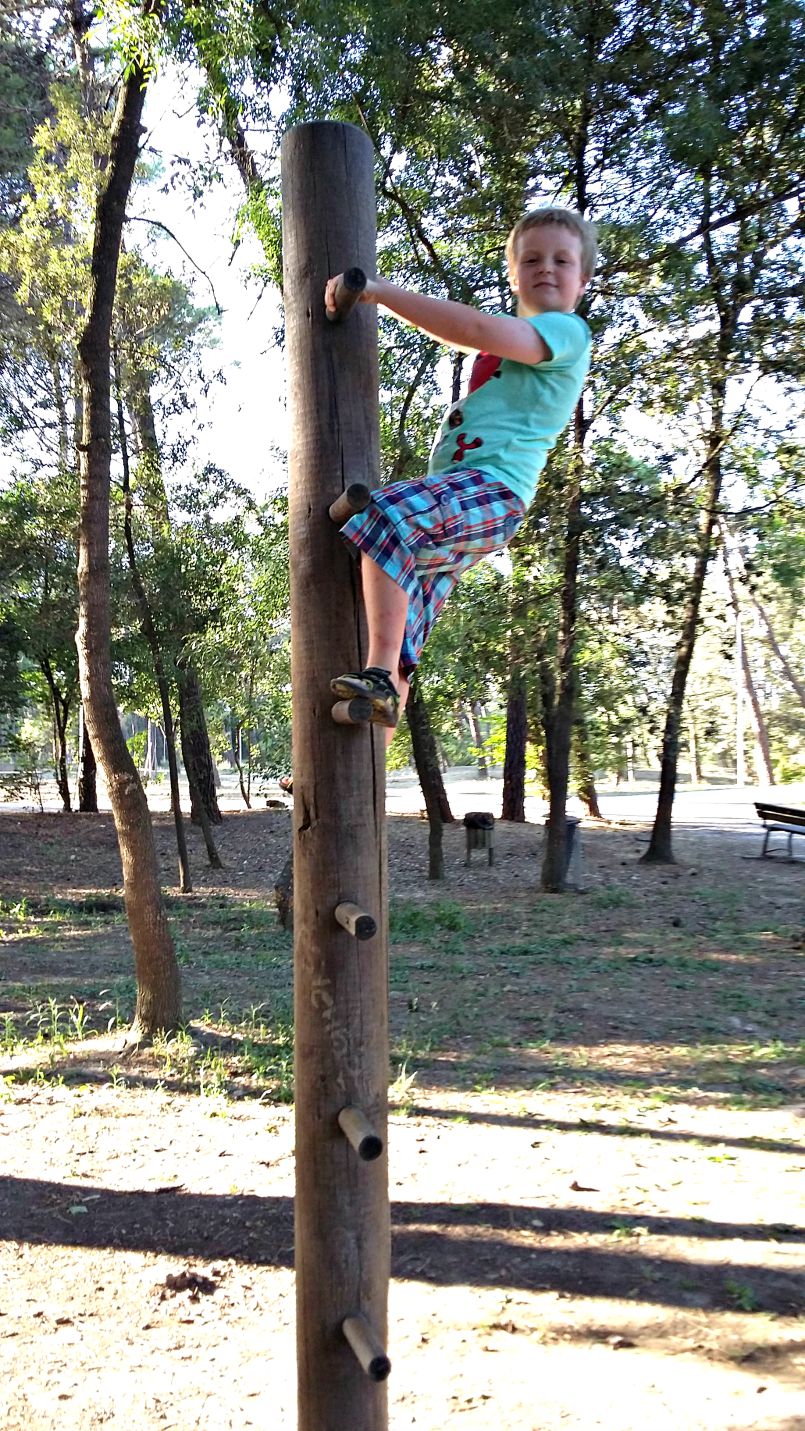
341,1004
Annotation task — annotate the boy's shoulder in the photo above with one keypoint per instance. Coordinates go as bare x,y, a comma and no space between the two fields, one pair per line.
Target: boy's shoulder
566,334
571,320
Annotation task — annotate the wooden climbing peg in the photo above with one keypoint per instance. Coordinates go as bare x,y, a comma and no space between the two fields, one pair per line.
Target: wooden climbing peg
355,498
367,1348
347,294
355,712
356,1127
356,920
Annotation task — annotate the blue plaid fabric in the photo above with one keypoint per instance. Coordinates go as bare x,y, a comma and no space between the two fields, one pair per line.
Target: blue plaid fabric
426,533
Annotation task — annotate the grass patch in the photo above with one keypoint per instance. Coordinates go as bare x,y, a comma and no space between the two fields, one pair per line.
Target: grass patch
495,989
429,922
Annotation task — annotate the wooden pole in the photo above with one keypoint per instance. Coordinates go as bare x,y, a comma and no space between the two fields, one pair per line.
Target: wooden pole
341,1005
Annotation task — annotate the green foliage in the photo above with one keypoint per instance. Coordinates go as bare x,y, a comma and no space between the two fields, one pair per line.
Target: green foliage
675,132
136,33
23,782
24,78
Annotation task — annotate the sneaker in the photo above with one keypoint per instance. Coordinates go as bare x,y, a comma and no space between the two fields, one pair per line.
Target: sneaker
373,685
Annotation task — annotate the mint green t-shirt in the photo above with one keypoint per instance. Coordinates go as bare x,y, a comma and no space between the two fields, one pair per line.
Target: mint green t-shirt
513,412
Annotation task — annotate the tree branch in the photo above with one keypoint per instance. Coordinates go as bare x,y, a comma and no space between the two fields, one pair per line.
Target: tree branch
157,224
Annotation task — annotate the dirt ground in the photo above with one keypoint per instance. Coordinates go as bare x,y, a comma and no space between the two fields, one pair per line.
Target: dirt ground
595,1154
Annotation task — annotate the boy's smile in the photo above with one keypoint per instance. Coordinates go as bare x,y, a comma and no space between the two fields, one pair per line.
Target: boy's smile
546,274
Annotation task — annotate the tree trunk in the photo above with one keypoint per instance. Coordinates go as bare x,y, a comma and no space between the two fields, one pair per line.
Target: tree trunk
158,1005
764,767
87,774
474,715
559,729
283,893
696,772
244,782
426,752
198,762
791,676
513,807
660,849
586,788
732,548
60,707
426,759
762,751
203,819
149,632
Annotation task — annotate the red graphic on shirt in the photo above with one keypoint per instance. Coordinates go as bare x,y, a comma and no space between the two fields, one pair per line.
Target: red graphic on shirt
464,446
486,366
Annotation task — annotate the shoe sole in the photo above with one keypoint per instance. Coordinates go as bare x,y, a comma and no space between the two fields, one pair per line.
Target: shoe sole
383,712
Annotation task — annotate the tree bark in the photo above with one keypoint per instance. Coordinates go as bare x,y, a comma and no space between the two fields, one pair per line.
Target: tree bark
697,774
727,300
426,759
586,788
244,777
426,751
474,714
660,848
60,709
513,807
149,632
158,1004
203,819
342,1233
732,548
559,729
196,753
87,775
762,750
791,676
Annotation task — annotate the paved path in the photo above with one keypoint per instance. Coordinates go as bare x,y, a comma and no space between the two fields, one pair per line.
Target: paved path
726,808
717,807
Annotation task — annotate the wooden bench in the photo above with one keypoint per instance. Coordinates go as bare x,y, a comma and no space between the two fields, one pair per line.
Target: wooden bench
780,818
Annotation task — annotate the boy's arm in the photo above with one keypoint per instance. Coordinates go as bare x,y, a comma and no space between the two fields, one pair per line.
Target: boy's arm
456,324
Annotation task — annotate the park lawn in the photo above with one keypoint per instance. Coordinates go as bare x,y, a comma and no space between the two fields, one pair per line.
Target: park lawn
595,1158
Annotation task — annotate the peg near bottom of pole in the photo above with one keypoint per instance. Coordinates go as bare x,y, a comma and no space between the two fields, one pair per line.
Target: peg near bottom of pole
358,711
367,1347
355,498
357,1129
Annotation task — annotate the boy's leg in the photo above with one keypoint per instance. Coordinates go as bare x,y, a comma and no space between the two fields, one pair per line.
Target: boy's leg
386,605
386,611
416,540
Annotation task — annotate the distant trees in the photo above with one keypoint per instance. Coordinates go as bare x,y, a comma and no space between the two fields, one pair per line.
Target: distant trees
676,130
38,601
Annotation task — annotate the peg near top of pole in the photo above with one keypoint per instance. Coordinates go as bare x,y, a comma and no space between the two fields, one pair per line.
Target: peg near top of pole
320,158
347,293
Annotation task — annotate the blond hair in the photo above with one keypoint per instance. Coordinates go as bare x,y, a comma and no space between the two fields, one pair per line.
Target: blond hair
566,219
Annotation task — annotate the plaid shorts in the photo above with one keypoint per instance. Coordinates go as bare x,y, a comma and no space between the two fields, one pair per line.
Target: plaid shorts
426,533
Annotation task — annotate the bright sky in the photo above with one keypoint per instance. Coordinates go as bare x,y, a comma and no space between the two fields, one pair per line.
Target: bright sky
240,422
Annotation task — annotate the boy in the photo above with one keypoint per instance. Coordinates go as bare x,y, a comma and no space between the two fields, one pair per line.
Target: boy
417,537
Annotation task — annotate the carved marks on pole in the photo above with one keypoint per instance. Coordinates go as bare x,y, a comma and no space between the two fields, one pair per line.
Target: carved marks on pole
348,1063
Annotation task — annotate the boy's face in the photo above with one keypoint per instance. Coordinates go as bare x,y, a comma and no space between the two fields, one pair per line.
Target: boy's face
546,273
